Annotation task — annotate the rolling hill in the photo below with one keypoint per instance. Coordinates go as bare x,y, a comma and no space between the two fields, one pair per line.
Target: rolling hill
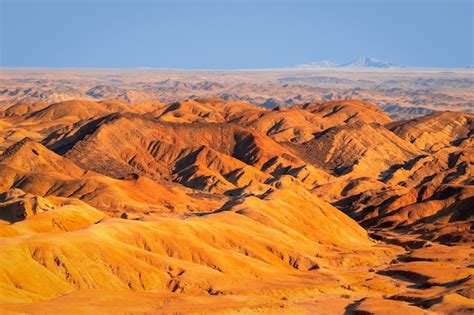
213,205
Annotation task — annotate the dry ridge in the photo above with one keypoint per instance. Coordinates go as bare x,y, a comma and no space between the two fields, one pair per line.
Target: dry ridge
212,205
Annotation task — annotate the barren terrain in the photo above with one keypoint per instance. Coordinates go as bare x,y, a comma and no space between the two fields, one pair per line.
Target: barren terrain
173,192
401,92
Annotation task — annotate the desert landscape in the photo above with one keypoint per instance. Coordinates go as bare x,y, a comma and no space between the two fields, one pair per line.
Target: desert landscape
237,157
293,191
401,92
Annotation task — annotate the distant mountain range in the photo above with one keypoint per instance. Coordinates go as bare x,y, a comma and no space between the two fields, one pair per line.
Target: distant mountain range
362,62
319,64
366,62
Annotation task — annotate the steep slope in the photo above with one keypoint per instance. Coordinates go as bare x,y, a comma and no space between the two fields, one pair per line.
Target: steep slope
431,196
210,110
216,205
76,110
447,216
299,123
449,165
211,154
285,125
437,130
31,156
33,168
11,132
347,111
40,120
295,124
35,214
22,109
357,149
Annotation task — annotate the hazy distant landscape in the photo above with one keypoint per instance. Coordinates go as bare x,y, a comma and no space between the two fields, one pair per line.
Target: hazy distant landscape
236,157
401,92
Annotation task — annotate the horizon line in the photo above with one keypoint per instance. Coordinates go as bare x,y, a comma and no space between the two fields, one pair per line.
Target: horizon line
298,67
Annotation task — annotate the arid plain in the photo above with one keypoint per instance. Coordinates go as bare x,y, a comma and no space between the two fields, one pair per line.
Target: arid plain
295,191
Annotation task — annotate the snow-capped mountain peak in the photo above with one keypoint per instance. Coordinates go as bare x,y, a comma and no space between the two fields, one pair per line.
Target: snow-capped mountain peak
366,62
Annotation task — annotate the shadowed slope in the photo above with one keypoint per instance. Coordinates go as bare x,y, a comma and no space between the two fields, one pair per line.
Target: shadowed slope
212,156
436,130
76,110
33,168
357,149
109,226
295,124
431,195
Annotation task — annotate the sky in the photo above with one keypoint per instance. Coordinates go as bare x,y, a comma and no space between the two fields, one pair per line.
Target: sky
233,34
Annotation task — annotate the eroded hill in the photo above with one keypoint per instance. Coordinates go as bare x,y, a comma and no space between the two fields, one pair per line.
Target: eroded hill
218,205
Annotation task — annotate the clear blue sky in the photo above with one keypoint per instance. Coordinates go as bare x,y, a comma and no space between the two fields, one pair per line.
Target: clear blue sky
234,34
